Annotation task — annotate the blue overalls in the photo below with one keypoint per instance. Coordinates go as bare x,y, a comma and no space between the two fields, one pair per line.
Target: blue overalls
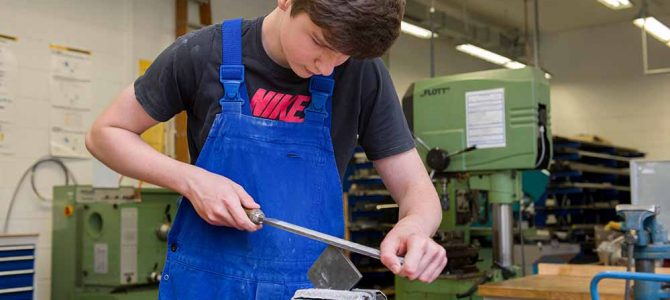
288,168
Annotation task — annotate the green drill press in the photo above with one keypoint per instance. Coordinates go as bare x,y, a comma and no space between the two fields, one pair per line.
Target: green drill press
476,133
109,244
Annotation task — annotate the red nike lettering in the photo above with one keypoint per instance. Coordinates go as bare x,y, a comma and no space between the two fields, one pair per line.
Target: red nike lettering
299,105
279,106
260,100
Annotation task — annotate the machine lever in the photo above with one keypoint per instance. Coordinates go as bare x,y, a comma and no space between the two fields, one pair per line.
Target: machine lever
468,149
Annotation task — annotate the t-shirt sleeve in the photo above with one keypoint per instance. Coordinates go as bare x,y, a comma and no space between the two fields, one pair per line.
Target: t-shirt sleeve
383,129
170,84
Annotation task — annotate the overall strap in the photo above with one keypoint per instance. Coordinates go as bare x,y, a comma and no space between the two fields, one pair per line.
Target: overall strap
231,71
321,88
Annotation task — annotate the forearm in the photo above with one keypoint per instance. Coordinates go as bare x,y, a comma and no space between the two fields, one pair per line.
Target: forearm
406,178
125,152
420,203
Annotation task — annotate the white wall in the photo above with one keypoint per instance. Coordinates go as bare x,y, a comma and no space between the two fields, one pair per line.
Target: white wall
409,61
118,33
599,88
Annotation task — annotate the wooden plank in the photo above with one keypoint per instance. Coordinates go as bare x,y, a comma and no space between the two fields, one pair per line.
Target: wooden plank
205,13
560,281
552,287
181,142
181,17
181,28
583,270
181,138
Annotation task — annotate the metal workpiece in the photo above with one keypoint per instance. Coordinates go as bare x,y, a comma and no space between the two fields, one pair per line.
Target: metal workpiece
503,240
334,271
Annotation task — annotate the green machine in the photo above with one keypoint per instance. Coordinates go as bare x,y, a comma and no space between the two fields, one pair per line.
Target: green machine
477,132
109,244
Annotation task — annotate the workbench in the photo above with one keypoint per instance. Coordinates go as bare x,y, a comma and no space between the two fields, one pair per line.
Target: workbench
558,281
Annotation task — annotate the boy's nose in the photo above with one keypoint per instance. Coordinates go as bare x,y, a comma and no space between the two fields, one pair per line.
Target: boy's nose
328,61
324,68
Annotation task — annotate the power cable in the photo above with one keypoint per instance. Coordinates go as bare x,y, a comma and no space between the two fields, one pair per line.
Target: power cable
31,171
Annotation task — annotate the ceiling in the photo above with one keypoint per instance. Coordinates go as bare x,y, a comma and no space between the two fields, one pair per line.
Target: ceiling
555,15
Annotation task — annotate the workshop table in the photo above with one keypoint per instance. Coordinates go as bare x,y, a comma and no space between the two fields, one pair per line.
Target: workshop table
558,281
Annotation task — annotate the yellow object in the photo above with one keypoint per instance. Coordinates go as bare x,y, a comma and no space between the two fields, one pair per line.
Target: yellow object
68,211
71,49
154,136
143,65
8,37
613,226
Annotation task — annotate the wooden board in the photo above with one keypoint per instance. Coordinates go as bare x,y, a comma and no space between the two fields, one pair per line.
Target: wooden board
552,287
583,270
559,282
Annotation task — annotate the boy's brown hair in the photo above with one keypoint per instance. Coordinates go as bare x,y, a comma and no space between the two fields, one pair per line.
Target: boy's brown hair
359,28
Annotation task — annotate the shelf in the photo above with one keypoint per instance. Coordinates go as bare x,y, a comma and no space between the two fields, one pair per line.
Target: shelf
591,186
370,215
574,207
587,168
585,176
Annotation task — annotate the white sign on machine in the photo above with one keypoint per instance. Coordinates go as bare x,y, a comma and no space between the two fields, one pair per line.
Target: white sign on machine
128,245
485,118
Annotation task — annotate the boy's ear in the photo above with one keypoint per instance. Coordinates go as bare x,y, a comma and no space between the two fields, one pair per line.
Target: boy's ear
284,5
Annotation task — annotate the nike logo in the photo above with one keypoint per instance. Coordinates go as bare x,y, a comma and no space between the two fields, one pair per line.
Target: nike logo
278,106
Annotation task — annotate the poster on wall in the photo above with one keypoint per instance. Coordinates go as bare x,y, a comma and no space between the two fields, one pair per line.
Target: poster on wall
8,77
71,102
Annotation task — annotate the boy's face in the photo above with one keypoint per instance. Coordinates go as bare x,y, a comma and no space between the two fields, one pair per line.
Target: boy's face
305,48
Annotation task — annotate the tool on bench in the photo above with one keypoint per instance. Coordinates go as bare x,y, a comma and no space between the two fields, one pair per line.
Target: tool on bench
332,272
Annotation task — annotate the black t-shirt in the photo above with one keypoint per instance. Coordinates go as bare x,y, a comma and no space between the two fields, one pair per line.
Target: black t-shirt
186,77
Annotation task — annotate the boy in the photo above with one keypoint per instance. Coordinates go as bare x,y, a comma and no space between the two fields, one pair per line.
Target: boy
266,129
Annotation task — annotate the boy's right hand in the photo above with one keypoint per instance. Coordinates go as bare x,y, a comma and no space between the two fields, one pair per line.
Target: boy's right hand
218,200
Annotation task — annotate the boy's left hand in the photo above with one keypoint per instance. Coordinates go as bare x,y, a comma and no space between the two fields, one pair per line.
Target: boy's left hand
424,258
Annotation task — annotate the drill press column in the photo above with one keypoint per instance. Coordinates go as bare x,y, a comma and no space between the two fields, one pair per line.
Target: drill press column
505,189
502,234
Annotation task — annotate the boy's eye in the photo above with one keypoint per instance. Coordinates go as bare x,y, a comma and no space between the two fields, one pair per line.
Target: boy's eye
316,42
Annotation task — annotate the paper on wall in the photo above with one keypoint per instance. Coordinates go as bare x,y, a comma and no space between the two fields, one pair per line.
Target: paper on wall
70,93
8,83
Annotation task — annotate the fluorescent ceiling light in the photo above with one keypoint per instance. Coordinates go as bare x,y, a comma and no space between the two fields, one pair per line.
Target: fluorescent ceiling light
654,27
514,65
416,31
616,4
490,56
